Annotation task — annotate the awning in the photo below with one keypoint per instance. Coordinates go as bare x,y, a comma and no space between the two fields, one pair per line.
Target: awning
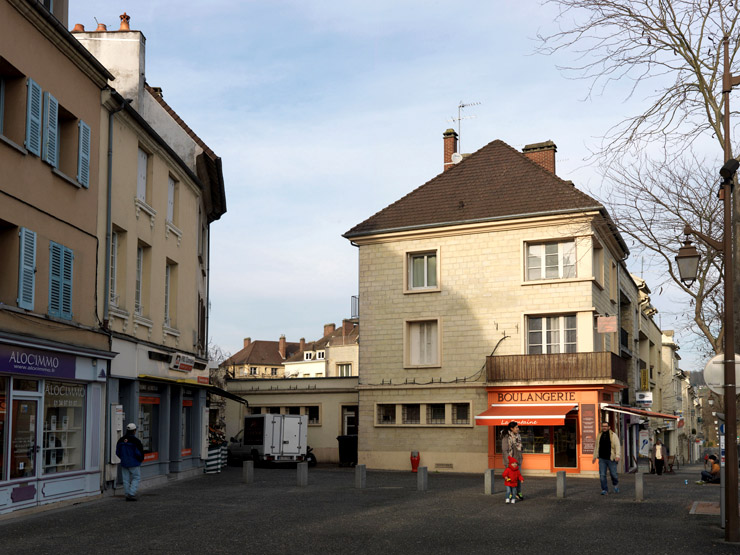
638,412
551,414
208,387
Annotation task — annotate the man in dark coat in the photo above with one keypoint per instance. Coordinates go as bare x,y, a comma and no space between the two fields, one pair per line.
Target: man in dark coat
131,452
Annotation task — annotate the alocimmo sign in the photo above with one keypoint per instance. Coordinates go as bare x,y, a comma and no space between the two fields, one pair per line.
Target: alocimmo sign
36,362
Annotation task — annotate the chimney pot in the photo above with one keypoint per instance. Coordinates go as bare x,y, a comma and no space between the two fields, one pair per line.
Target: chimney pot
101,27
247,341
303,343
329,329
450,147
542,154
125,18
281,346
78,28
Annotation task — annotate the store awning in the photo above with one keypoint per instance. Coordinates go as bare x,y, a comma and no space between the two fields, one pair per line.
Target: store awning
638,412
208,387
551,414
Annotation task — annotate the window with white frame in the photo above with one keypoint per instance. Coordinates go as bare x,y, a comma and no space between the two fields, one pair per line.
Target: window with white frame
320,355
551,334
551,260
138,307
308,355
167,291
344,370
422,347
171,191
113,292
422,270
252,370
141,175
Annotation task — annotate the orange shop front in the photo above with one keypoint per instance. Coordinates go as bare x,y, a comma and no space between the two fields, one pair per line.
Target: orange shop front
558,424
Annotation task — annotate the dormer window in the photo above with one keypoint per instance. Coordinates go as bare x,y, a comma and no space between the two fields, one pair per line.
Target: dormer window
308,355
320,355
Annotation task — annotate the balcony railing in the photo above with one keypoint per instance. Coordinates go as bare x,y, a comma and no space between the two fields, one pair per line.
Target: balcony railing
567,366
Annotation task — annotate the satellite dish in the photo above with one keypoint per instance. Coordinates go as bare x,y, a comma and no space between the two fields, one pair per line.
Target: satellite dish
457,158
714,374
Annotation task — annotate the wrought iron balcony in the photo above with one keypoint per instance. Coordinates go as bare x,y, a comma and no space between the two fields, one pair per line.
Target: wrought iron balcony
566,366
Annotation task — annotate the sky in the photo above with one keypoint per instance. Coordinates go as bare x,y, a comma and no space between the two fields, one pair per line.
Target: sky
325,112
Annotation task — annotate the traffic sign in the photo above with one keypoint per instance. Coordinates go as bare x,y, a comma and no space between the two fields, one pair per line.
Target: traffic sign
714,374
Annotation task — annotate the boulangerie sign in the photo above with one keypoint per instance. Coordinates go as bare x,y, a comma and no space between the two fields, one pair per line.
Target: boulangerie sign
36,362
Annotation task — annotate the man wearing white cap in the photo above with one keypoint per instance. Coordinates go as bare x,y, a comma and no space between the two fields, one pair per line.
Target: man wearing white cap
131,452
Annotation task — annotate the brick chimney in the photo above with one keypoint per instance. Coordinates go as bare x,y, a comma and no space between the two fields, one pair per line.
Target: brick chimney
450,147
303,344
347,327
329,329
247,341
281,346
542,154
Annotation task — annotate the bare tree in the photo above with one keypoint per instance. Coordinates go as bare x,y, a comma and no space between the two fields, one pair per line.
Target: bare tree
671,47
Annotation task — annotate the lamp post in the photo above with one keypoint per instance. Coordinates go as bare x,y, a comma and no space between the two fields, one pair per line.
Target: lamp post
688,261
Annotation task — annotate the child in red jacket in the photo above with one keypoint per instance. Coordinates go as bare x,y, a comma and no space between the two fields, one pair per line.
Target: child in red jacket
512,477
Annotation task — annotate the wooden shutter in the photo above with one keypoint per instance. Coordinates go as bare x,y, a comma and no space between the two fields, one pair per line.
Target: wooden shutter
55,279
83,155
33,118
27,269
68,258
51,130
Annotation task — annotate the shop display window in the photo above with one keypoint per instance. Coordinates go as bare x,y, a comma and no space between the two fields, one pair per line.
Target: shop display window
535,439
148,431
3,420
64,427
186,438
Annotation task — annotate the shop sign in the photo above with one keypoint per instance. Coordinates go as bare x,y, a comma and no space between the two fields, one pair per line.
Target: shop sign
64,394
644,450
536,396
36,362
644,398
182,362
606,324
588,428
203,379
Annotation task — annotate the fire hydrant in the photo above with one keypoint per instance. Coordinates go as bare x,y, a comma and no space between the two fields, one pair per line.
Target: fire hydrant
414,461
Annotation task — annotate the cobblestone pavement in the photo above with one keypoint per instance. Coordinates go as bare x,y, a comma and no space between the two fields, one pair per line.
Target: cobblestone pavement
221,514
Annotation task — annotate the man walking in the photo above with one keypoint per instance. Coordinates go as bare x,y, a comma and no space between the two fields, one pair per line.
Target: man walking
608,452
131,452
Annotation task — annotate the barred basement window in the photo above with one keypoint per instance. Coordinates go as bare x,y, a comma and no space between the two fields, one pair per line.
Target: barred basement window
461,413
386,414
436,413
411,414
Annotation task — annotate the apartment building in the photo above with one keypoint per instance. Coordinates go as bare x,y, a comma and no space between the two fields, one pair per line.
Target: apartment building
497,292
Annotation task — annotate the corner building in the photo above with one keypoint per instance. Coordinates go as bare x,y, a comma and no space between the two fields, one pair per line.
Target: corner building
496,292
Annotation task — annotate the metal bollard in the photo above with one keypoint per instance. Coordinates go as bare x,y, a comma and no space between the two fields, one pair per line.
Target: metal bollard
639,487
248,472
421,479
560,484
360,476
488,482
302,474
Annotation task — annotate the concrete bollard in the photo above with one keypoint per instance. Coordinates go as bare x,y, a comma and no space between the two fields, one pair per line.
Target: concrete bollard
421,479
488,482
560,484
360,476
639,487
302,474
248,472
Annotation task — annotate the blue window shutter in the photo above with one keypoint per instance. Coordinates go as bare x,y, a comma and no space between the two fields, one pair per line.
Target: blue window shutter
27,269
83,155
55,279
51,130
33,118
67,258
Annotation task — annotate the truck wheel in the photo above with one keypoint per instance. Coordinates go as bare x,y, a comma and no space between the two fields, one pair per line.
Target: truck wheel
311,458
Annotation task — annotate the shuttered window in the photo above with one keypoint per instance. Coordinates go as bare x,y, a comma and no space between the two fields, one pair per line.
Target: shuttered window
60,280
83,155
27,269
33,118
143,162
50,150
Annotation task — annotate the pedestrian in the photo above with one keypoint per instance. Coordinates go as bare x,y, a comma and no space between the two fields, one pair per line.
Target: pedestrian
131,452
711,477
659,455
513,481
608,452
511,446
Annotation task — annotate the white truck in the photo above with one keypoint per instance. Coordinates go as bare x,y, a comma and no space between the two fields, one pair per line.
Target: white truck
278,438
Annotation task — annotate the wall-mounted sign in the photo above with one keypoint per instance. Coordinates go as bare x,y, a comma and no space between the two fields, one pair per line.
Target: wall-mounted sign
36,362
644,397
588,428
182,362
606,324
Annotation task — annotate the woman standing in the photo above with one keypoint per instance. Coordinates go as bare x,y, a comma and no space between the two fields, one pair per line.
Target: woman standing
511,446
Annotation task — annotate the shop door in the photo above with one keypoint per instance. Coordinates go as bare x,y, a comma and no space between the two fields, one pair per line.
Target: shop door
565,445
24,445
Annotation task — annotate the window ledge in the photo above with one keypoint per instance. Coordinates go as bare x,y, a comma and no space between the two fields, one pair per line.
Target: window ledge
123,315
146,322
65,177
170,227
422,290
170,331
558,280
421,366
143,206
13,144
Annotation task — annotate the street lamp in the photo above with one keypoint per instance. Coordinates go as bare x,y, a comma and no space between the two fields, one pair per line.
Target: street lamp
687,260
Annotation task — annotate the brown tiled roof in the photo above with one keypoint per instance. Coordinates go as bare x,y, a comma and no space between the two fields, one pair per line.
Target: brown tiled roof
495,182
334,339
264,353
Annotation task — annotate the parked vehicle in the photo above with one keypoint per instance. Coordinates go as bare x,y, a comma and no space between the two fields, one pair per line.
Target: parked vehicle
272,438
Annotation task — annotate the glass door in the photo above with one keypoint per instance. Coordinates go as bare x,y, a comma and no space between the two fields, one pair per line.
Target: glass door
565,445
24,447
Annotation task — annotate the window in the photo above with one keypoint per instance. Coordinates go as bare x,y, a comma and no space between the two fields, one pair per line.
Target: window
139,280
535,439
436,413
313,414
252,370
60,281
553,334
308,355
148,430
613,283
113,268
411,414
171,192
551,260
422,343
344,370
33,117
27,269
273,371
3,423
13,97
320,355
422,270
598,263
142,176
386,414
186,430
170,294
64,427
461,413
167,281
293,410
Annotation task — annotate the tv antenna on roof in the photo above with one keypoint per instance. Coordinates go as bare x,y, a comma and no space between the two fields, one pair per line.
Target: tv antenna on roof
460,117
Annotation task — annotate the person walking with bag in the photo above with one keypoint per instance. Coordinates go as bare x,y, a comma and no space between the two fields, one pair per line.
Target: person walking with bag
511,446
131,452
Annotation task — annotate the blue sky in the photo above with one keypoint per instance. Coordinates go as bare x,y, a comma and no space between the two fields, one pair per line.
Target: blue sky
325,112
